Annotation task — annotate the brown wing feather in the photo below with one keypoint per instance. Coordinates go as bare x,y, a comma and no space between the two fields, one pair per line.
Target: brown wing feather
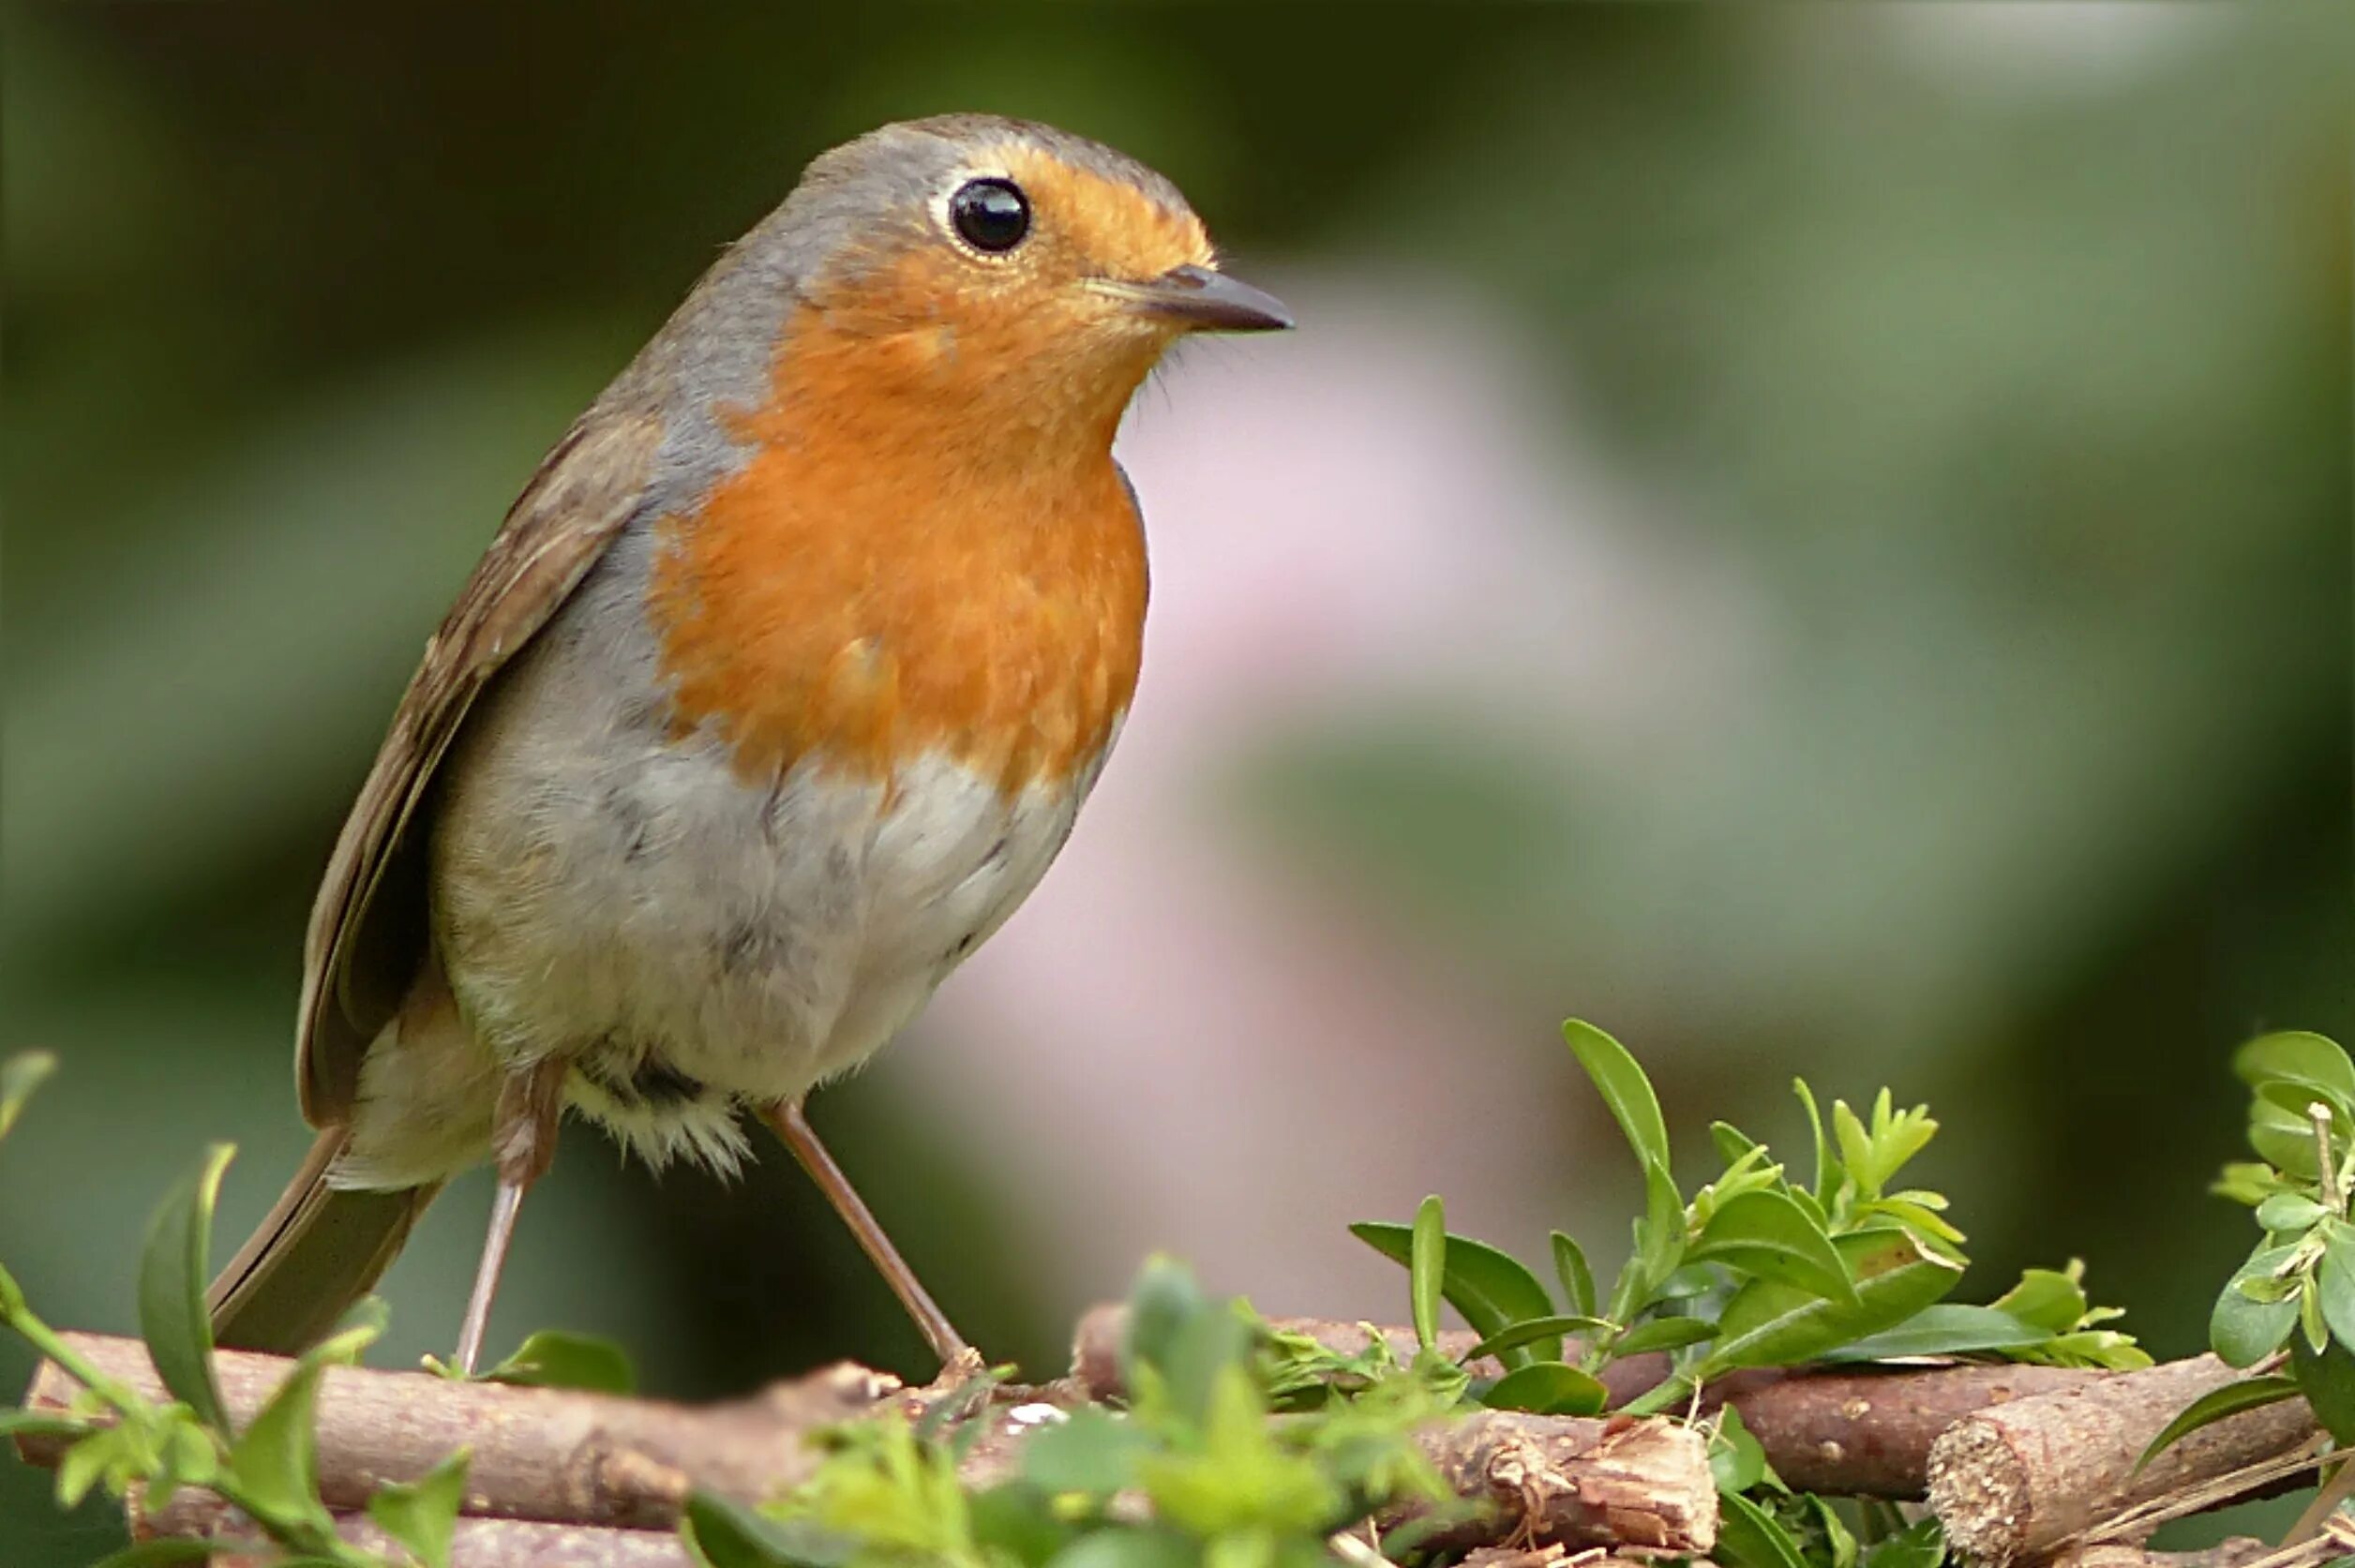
366,933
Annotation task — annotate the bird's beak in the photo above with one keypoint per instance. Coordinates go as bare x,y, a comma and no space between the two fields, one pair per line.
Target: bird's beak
1201,300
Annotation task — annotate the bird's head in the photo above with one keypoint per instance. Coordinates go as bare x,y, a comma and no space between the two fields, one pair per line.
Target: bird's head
969,266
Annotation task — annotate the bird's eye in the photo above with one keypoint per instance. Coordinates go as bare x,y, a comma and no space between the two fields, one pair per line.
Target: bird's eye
990,215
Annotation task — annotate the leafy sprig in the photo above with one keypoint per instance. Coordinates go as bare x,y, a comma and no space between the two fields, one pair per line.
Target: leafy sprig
1754,1269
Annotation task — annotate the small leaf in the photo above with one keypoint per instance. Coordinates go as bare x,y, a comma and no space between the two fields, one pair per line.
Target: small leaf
1534,1330
2048,1299
1427,1268
1921,1544
422,1514
2296,1056
276,1459
2290,1211
19,1075
1547,1388
2334,1282
172,1278
1943,1329
1732,1143
1737,1461
1577,1280
1767,1237
2283,1139
1624,1088
2327,1378
1661,1233
1750,1537
1133,1549
1490,1289
555,1359
1769,1324
1093,1452
1827,1165
727,1535
2214,1406
1664,1334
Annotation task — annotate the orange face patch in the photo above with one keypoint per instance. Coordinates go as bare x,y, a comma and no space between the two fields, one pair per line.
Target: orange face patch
906,565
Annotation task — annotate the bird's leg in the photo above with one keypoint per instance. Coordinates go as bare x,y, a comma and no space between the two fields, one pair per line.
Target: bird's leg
786,1120
523,1145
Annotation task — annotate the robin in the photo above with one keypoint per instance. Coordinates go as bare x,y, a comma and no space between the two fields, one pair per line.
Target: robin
775,696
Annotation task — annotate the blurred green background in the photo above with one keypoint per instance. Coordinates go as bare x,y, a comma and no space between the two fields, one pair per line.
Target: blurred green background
1973,380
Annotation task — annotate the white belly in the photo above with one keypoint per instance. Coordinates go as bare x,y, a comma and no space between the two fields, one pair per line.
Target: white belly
692,941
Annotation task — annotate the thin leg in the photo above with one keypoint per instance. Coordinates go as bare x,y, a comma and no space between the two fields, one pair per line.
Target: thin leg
523,1145
787,1121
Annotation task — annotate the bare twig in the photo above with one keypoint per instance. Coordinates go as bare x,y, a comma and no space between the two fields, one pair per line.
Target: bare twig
2028,1478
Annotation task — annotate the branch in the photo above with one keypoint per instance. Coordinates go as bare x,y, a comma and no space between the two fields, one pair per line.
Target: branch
563,1457
473,1544
1852,1431
2028,1478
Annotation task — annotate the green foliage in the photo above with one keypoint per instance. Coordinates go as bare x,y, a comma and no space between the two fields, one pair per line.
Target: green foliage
2295,1294
1752,1270
1224,1486
124,1442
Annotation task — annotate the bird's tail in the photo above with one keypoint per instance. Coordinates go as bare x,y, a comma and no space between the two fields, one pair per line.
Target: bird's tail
319,1251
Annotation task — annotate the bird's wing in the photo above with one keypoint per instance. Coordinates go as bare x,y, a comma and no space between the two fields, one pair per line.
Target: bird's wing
367,934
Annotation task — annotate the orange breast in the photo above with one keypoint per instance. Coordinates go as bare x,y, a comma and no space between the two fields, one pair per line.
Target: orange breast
895,572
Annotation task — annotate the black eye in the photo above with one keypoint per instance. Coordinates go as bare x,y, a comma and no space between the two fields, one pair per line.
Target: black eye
991,215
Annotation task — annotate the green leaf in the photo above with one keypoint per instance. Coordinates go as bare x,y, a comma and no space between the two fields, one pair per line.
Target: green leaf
275,1458
555,1359
2335,1281
1427,1267
161,1554
2290,1211
1944,1329
2283,1139
1535,1330
2327,1378
1577,1280
2297,1057
2245,1329
1922,1544
726,1534
19,1075
1547,1388
1750,1537
1093,1452
172,1279
1770,1324
1659,1234
1129,1549
1490,1289
2214,1406
1731,1142
1664,1334
422,1514
1767,1237
1736,1461
2049,1299
1828,1172
1624,1088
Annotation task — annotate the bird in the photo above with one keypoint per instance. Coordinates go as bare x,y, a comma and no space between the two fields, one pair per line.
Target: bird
775,695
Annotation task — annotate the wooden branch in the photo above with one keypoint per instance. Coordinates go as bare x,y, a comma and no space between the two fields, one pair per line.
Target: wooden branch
474,1544
561,1458
553,1455
1852,1431
2028,1478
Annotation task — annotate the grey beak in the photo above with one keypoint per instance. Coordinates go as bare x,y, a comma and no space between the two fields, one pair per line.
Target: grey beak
1207,301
